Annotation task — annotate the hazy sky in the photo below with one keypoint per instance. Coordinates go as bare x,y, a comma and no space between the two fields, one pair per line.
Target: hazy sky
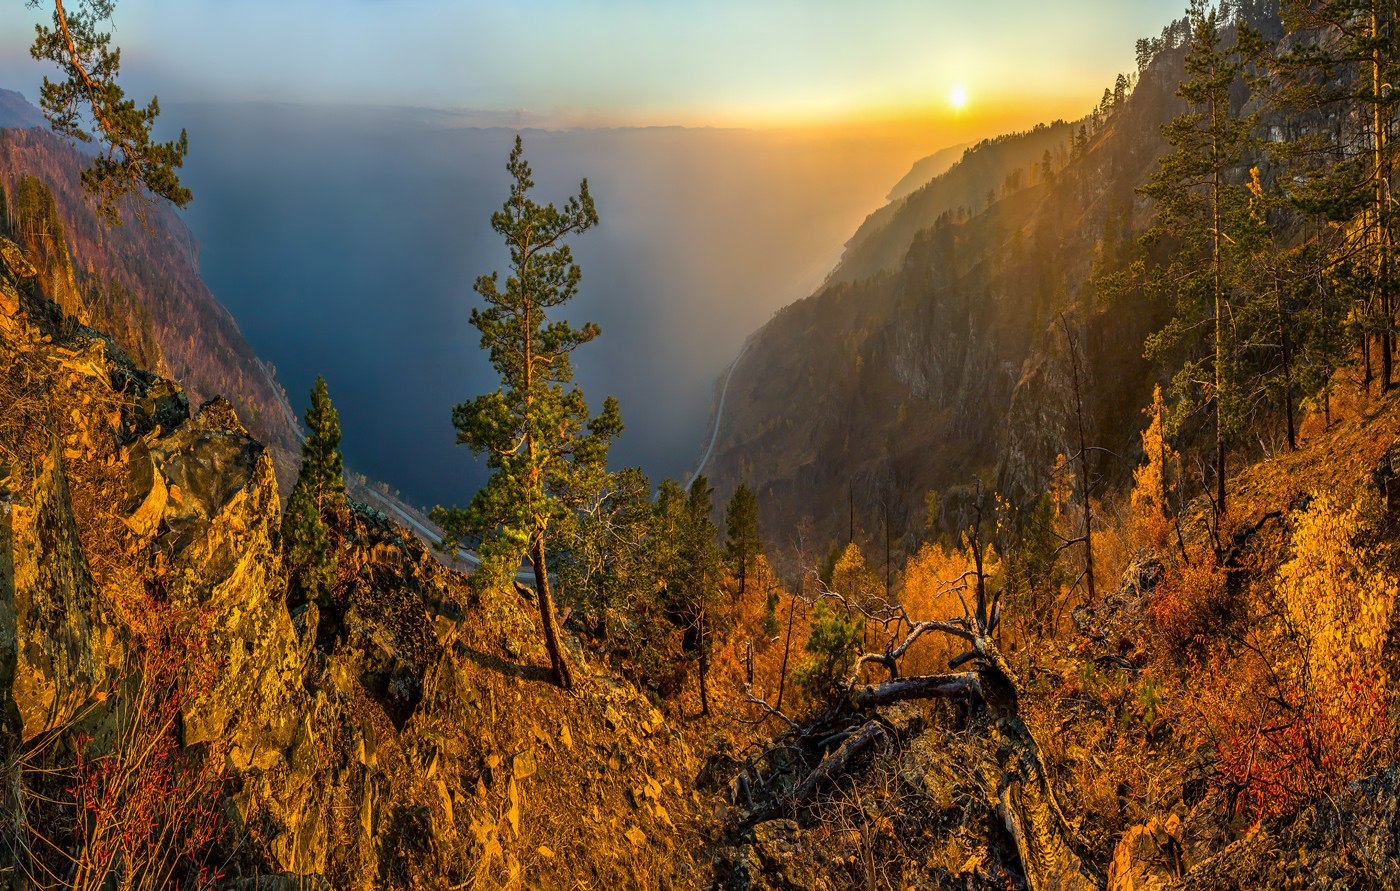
695,62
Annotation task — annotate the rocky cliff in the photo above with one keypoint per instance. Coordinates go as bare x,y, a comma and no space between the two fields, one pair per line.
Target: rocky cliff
392,737
138,283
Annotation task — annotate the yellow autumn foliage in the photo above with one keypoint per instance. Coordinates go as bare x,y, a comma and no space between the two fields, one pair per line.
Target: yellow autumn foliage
853,578
1150,501
932,579
1336,594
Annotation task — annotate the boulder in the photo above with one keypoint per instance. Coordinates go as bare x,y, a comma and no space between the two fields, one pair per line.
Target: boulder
1350,840
66,640
1148,857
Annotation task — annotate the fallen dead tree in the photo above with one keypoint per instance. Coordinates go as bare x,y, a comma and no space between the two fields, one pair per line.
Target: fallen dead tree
815,755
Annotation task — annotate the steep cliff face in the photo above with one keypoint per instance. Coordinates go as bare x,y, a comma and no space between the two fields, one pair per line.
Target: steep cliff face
947,360
388,738
139,283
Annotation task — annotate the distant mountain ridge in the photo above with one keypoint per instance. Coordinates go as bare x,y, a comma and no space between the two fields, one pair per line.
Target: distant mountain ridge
933,357
17,113
926,169
881,241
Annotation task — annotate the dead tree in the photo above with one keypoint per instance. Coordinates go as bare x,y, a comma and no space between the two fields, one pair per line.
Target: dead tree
980,677
1085,485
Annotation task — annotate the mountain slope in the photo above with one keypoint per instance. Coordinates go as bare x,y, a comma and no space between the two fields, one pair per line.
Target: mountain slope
853,404
925,170
395,735
982,170
140,282
1132,724
16,112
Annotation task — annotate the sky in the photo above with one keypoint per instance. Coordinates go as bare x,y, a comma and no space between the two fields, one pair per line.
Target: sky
725,63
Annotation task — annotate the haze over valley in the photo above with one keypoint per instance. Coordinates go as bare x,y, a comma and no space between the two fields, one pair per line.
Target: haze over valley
346,242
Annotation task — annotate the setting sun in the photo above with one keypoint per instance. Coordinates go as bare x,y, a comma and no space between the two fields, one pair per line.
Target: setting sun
957,97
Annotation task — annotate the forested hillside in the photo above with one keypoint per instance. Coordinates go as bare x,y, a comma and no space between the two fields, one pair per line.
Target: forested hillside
939,351
1105,461
139,282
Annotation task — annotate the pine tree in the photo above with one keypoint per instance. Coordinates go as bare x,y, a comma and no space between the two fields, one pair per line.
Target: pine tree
319,490
90,105
1206,212
1299,327
322,469
1336,78
769,629
700,557
742,544
1120,90
534,430
832,645
306,545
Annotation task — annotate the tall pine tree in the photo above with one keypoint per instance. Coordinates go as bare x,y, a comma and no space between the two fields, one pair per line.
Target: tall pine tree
742,545
319,490
89,105
535,429
1337,79
1206,212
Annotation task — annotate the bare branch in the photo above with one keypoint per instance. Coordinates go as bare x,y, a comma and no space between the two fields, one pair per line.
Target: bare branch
937,686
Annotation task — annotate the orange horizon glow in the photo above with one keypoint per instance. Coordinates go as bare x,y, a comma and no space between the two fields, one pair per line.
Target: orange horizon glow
902,134
983,114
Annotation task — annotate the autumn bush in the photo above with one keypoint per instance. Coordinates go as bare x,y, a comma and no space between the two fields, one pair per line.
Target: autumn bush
128,805
1190,605
1297,702
1337,592
1277,752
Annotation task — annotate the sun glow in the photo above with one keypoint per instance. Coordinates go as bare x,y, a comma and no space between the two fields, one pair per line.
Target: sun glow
957,97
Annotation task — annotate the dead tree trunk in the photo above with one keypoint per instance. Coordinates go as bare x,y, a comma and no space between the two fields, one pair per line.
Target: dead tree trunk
704,663
1084,482
1013,773
787,650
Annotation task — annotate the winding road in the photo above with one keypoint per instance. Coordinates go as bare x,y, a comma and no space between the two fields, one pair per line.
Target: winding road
719,415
